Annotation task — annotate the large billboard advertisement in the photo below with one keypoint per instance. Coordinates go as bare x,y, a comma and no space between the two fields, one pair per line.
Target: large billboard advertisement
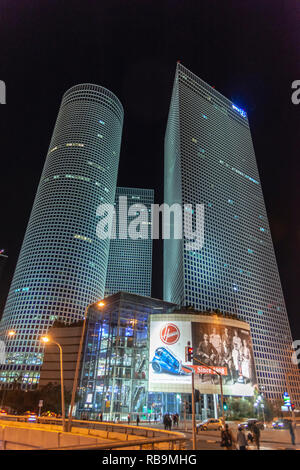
220,346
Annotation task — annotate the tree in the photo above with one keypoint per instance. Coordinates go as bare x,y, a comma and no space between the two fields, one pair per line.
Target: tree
21,400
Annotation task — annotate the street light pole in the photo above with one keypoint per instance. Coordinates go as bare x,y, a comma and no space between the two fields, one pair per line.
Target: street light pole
47,339
62,386
69,427
221,385
193,411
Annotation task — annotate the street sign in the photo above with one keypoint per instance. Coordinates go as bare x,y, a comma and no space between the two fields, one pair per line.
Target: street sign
41,403
286,399
284,408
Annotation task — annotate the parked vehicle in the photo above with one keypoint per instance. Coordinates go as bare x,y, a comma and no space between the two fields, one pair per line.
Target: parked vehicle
249,424
281,424
49,414
31,416
210,424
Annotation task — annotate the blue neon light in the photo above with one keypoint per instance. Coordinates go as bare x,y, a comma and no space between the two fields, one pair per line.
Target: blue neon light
239,110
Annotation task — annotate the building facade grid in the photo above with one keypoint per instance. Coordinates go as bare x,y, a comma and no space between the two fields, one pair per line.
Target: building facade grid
62,264
210,160
129,266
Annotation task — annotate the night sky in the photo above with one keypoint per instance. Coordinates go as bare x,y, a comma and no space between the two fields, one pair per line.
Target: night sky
248,50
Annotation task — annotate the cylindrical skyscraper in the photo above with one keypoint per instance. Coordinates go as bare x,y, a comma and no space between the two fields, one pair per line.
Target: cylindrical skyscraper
62,264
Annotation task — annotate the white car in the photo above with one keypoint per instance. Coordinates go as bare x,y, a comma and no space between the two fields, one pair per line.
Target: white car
210,424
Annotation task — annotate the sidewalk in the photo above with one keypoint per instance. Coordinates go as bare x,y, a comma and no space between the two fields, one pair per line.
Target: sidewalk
213,436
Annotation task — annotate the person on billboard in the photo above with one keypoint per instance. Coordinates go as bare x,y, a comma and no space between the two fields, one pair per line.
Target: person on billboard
215,340
236,357
236,340
206,352
226,340
227,361
246,357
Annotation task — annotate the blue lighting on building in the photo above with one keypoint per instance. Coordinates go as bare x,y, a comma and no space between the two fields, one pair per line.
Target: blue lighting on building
239,110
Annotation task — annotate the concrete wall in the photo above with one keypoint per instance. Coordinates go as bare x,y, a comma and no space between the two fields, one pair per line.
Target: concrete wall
21,436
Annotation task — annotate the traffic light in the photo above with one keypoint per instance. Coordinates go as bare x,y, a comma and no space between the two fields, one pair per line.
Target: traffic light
190,353
225,407
293,406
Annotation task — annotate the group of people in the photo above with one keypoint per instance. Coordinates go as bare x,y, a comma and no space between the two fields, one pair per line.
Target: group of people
169,419
242,440
229,351
137,419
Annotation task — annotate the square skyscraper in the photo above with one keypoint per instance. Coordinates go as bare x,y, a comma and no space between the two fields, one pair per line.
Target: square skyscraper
129,267
210,160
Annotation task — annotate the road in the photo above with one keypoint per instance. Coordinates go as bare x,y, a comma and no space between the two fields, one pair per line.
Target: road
271,439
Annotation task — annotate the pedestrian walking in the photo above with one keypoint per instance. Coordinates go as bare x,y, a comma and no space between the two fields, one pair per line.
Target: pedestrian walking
256,435
226,438
292,432
128,419
166,421
137,420
241,439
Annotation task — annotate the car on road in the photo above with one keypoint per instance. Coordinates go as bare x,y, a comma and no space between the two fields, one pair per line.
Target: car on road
210,424
31,416
249,424
49,414
3,413
281,424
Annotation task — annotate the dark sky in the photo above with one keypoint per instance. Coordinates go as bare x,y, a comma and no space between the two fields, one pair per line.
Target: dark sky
249,50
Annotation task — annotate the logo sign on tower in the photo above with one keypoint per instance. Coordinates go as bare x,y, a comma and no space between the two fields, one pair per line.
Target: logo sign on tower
169,334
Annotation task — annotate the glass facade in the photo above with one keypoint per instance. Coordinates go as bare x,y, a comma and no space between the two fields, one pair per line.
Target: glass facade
114,375
62,264
129,266
210,160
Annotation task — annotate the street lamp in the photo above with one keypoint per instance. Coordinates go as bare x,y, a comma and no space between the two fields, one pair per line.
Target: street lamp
99,304
221,385
47,339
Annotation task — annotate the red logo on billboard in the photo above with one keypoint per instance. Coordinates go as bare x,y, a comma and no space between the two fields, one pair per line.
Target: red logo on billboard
169,334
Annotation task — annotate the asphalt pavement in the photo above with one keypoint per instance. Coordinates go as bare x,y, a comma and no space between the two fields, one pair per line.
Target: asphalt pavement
271,439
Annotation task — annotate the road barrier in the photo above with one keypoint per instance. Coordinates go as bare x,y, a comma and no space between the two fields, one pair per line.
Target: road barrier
45,433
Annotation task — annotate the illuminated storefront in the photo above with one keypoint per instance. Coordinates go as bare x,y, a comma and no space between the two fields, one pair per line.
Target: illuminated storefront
114,374
136,360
